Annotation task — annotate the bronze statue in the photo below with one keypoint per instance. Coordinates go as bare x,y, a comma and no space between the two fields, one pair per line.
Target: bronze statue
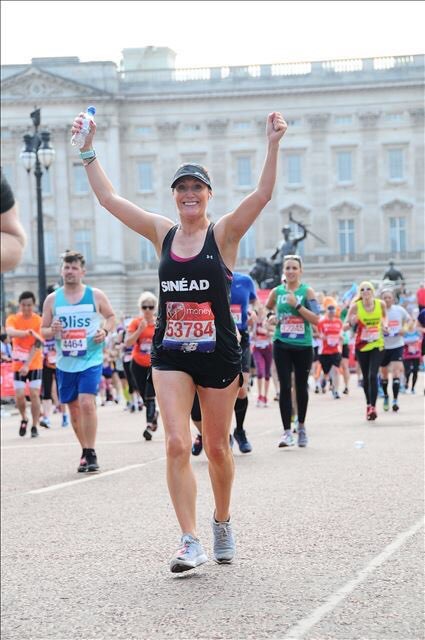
268,272
288,245
393,274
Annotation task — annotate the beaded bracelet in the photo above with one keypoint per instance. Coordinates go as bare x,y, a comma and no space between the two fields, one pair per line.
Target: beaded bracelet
86,155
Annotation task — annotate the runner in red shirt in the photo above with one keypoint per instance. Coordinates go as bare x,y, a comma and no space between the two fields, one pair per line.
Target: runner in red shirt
24,329
420,296
330,331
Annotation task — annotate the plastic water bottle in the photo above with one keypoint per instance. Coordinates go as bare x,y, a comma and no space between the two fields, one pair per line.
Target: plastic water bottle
79,138
359,444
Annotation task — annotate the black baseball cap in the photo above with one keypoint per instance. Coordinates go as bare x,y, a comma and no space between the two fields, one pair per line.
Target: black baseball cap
192,171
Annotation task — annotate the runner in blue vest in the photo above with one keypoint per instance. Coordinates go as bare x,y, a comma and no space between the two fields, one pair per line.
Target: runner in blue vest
242,295
80,318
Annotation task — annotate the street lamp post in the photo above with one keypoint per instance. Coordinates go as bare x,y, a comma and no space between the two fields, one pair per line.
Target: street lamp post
37,153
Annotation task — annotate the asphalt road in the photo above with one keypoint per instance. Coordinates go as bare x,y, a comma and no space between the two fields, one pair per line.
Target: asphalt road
329,538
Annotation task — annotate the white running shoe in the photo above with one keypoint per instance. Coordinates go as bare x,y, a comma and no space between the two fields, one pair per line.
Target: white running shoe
287,439
190,556
224,542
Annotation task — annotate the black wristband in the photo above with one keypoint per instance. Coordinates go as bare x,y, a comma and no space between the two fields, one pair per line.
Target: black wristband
105,330
270,313
298,306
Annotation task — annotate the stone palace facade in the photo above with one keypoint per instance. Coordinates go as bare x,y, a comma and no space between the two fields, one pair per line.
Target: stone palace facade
351,163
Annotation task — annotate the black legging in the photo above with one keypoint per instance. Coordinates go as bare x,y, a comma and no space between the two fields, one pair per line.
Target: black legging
143,379
411,368
49,374
369,362
300,360
127,370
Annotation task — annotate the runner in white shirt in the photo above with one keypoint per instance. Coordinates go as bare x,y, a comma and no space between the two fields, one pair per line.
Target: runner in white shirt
392,361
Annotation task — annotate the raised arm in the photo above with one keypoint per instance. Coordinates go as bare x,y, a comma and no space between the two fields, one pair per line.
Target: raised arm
301,237
150,225
231,227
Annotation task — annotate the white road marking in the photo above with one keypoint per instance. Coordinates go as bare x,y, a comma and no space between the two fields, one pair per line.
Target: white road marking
303,626
89,477
72,443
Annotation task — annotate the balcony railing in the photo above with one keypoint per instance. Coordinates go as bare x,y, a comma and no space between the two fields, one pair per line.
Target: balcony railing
357,258
275,70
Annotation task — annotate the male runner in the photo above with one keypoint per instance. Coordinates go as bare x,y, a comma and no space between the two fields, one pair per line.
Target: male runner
73,314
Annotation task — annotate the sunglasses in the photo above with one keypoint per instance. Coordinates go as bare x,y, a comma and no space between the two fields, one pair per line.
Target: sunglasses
365,289
148,306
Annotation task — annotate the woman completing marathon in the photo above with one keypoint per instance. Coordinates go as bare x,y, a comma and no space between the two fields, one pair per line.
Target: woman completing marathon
368,315
195,347
293,309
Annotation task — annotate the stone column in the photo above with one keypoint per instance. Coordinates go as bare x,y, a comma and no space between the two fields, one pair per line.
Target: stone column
170,161
108,230
62,189
218,166
320,181
368,180
416,239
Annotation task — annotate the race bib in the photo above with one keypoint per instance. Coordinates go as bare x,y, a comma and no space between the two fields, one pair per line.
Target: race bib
74,343
236,311
20,354
370,334
332,340
51,356
189,327
292,327
145,346
393,328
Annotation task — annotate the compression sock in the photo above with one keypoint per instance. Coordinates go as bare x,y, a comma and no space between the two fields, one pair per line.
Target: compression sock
396,387
241,406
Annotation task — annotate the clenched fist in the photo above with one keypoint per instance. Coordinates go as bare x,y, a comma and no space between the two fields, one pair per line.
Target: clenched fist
276,126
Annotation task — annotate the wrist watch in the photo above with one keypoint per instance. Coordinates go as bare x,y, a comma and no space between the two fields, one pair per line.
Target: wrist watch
298,306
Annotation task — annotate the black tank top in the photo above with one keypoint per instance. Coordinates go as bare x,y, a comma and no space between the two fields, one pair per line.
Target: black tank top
194,322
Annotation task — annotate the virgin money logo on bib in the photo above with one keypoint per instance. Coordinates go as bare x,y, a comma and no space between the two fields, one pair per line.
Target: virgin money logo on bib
175,311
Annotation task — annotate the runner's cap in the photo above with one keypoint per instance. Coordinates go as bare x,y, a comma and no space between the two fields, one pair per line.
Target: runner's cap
191,171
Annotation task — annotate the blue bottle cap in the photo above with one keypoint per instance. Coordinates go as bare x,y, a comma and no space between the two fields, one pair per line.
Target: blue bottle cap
91,110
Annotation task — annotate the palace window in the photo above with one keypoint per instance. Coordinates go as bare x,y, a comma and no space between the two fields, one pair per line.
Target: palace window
83,243
244,171
344,166
247,245
395,164
145,176
50,252
294,169
147,251
346,237
398,234
81,183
